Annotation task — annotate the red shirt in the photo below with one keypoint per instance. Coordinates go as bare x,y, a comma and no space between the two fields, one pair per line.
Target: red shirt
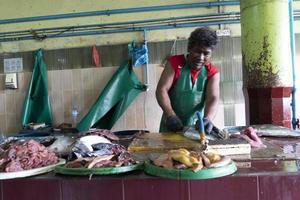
178,61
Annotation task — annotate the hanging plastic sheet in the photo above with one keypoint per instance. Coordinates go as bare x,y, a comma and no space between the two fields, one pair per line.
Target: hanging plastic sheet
139,56
117,95
96,57
37,108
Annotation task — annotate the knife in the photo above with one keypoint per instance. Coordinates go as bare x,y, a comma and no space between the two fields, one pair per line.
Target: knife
201,130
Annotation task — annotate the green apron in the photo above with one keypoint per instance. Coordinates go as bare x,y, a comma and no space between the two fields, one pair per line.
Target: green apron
186,98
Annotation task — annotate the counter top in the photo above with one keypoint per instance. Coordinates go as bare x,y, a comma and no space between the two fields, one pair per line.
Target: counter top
265,175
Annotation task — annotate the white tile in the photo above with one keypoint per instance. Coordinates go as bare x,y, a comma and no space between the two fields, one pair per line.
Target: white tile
240,115
219,118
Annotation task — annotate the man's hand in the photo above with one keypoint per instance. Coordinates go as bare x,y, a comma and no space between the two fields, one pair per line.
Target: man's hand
208,126
174,123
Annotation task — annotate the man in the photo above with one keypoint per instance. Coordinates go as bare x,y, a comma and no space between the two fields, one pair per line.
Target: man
190,84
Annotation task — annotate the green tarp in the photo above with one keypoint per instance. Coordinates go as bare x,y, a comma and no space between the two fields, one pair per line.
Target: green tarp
117,95
37,106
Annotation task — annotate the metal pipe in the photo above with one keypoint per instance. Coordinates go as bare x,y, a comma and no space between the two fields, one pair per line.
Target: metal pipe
292,40
202,17
118,11
133,29
147,67
153,24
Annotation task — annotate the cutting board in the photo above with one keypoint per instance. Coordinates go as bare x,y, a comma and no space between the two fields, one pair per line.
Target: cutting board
158,142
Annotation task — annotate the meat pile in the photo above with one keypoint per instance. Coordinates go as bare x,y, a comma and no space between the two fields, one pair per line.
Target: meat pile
250,135
101,132
115,158
26,155
184,159
95,148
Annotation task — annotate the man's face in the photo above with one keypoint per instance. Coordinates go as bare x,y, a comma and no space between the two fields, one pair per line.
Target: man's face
199,56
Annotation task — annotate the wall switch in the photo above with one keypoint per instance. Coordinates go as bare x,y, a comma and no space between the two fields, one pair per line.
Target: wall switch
11,81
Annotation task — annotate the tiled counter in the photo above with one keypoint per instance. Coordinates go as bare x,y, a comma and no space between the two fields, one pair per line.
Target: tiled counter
262,180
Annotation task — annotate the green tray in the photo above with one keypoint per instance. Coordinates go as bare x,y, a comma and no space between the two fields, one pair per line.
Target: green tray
189,174
96,171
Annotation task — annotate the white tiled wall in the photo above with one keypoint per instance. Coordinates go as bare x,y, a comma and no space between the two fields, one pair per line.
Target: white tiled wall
80,88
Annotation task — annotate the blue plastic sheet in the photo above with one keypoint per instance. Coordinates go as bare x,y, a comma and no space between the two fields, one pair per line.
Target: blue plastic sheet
139,56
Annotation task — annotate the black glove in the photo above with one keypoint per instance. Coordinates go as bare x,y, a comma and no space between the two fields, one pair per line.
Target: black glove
173,123
208,126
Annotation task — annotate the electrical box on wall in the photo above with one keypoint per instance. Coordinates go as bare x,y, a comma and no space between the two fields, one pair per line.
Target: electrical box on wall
223,32
13,65
11,81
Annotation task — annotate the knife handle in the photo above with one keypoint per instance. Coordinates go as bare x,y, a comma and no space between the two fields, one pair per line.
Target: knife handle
201,128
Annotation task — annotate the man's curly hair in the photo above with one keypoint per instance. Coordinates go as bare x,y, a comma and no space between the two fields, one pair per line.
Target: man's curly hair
203,37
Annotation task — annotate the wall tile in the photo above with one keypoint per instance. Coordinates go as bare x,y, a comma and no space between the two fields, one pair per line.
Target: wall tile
56,98
24,80
94,189
140,72
22,189
68,105
58,116
152,78
140,103
130,116
3,129
227,91
19,98
10,103
153,112
56,81
97,77
77,79
87,79
238,92
283,187
219,118
88,99
67,79
277,109
104,75
229,115
12,125
158,189
50,80
287,108
2,82
240,112
159,70
78,102
67,99
2,102
227,188
120,124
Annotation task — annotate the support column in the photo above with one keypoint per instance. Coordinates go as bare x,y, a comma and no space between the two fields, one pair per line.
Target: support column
267,61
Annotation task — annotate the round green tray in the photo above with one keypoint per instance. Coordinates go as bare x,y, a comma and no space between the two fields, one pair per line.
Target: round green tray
96,171
189,174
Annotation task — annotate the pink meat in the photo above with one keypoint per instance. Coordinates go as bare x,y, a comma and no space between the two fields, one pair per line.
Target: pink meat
102,132
250,135
27,155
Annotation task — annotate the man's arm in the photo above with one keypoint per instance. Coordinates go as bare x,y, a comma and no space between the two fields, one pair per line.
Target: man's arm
212,97
163,88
